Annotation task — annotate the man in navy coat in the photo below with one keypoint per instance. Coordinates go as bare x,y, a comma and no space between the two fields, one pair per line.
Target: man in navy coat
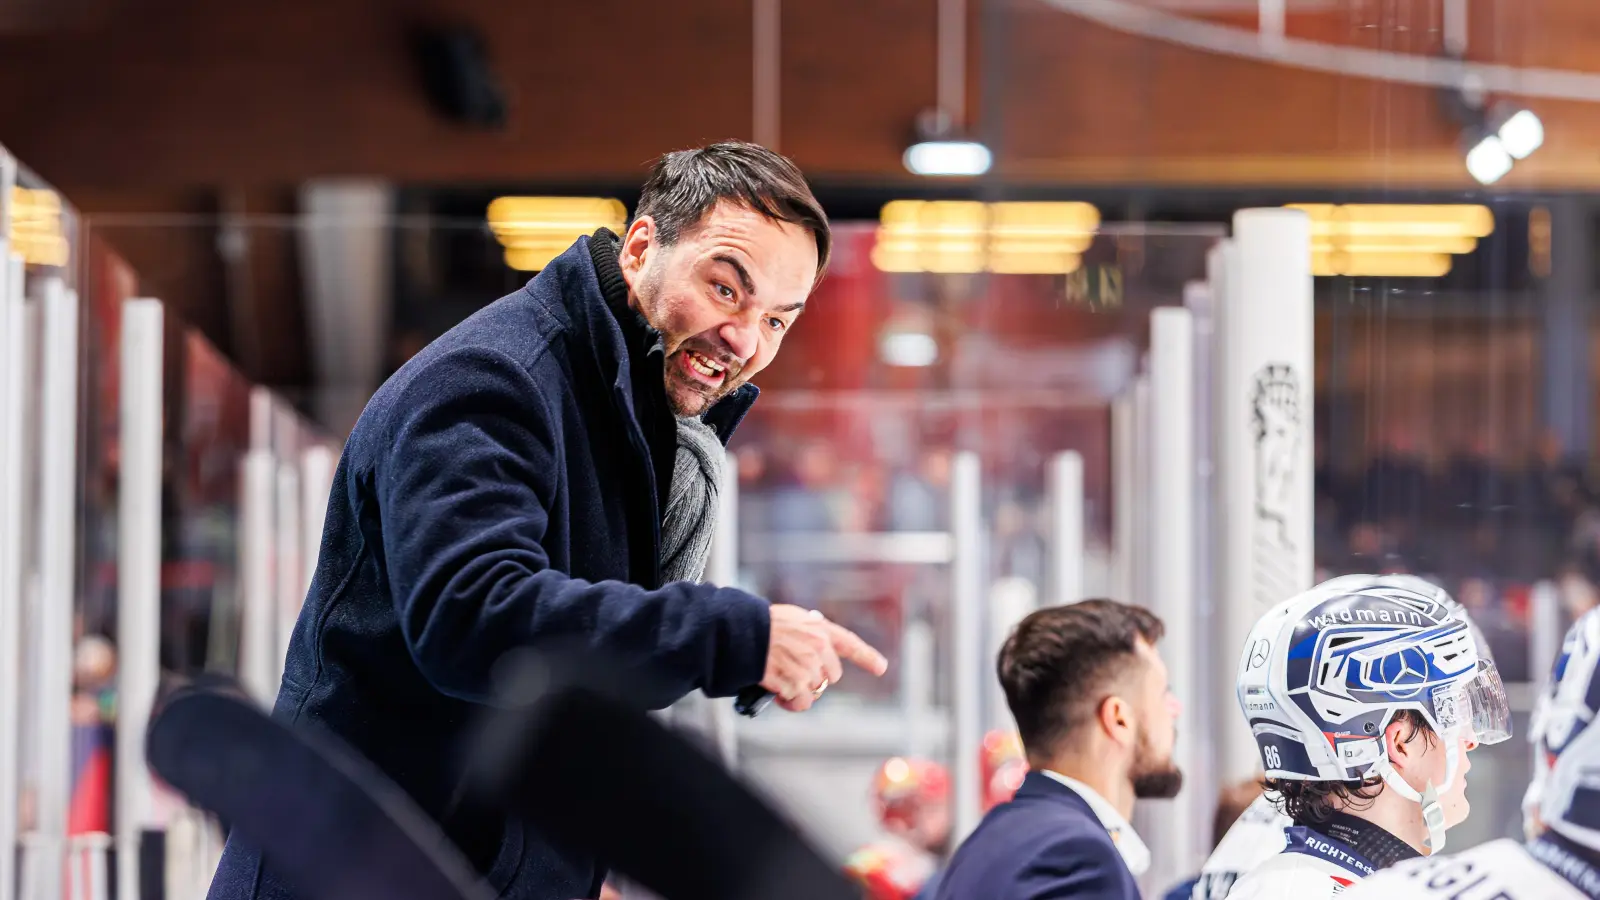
547,471
1092,704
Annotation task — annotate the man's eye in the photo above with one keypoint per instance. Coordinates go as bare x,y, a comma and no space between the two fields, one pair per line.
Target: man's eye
725,292
776,324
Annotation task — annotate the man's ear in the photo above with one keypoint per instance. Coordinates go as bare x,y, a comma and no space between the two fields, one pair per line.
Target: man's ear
1116,718
638,242
1402,753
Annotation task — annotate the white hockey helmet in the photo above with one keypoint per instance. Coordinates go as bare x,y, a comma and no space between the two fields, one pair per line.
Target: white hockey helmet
1566,743
1421,586
1324,673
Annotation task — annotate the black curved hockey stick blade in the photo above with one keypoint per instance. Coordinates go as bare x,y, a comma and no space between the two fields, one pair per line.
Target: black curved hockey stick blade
596,773
334,826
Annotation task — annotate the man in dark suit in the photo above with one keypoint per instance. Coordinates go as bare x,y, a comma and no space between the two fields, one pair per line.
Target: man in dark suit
1090,697
547,471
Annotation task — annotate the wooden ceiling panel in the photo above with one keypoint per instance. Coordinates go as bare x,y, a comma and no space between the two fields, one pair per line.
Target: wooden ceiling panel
854,78
191,93
214,92
1098,92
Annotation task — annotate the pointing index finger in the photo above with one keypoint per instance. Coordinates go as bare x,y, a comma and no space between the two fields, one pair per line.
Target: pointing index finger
854,649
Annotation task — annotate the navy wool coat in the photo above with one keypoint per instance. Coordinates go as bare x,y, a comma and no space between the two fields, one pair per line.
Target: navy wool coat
1044,844
497,491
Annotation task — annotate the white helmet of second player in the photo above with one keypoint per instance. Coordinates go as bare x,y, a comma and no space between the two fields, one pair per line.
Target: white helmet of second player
1567,744
1323,674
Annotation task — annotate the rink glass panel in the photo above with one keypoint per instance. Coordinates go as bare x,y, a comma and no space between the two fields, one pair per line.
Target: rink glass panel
106,282
53,249
208,435
209,428
1433,458
27,541
841,444
206,427
852,446
844,444
844,441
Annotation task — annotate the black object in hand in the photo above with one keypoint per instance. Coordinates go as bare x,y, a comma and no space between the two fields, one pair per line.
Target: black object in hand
752,700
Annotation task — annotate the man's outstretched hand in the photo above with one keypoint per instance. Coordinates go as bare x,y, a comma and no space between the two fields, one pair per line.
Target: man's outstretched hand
805,654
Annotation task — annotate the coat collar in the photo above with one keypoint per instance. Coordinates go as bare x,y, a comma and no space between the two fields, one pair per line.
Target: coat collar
1130,846
592,290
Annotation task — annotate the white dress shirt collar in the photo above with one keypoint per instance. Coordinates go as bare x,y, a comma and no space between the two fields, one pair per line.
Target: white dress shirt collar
1129,844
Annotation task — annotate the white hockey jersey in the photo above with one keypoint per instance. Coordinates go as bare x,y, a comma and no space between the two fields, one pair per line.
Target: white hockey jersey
1500,870
1255,837
1311,866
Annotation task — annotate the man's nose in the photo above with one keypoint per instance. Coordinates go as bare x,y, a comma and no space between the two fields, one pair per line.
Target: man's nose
1175,705
741,338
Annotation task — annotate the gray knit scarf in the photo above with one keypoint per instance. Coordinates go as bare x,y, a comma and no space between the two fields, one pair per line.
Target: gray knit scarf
685,547
691,516
686,534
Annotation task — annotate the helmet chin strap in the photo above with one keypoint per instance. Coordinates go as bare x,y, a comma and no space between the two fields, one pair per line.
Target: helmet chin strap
1428,798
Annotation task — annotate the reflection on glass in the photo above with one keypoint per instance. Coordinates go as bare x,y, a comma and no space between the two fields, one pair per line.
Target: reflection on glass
1431,461
45,228
852,442
28,552
209,434
107,281
1436,457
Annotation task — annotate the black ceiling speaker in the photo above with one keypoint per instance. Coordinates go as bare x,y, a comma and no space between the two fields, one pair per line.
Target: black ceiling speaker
458,78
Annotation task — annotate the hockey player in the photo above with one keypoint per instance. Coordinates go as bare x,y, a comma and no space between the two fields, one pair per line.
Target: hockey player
1563,861
912,800
1258,834
1365,695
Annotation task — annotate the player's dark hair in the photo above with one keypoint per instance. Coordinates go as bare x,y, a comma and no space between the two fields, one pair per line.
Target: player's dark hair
685,185
1315,802
1057,665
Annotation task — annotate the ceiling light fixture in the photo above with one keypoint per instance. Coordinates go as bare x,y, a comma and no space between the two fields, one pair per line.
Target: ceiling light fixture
1488,161
1494,136
948,158
966,236
535,230
1521,133
37,230
942,148
1392,240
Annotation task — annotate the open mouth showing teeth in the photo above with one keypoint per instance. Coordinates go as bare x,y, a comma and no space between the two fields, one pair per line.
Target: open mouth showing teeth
705,367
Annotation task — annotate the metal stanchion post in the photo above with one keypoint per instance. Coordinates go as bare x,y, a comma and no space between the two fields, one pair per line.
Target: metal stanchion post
966,522
1547,631
1066,528
1262,300
1124,492
723,569
13,457
138,574
1174,825
58,543
258,665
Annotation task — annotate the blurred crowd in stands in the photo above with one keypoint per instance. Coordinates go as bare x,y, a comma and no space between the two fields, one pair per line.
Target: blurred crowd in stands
1487,530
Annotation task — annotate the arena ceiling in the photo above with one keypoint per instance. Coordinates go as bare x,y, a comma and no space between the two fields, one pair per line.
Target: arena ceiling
116,95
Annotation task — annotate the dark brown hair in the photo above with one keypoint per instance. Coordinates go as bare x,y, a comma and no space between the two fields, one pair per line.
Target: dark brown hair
1055,667
685,185
1314,802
